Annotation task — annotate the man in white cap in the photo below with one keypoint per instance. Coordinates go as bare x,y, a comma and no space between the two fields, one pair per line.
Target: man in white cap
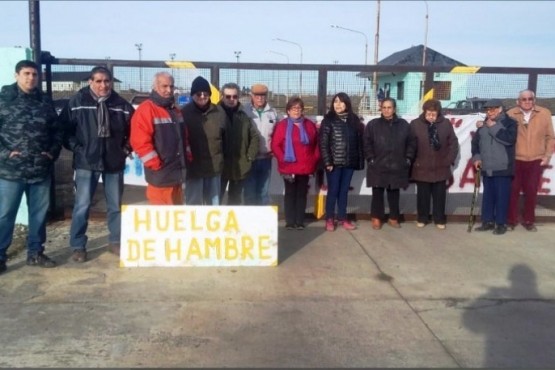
257,184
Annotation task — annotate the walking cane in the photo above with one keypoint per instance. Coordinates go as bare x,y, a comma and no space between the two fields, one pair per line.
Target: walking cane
474,199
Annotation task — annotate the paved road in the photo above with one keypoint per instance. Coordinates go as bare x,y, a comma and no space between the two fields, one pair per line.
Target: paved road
389,298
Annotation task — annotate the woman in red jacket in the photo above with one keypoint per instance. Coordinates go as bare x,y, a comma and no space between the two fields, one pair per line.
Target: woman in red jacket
295,146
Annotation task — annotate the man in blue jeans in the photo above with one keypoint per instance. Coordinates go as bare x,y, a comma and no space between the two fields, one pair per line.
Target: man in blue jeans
97,125
257,184
30,142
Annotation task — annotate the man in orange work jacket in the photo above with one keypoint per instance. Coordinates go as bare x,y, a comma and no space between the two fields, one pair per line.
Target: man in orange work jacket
158,137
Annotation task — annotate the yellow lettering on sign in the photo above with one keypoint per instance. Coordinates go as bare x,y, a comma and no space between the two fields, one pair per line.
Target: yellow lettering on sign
149,249
231,251
194,225
133,250
231,222
179,220
194,249
210,244
247,245
141,219
263,246
172,250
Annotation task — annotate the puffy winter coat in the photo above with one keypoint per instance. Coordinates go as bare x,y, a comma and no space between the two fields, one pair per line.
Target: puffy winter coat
79,118
389,149
28,124
341,143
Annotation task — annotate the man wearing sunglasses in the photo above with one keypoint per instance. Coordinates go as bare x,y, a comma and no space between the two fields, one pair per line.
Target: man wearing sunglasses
240,145
534,147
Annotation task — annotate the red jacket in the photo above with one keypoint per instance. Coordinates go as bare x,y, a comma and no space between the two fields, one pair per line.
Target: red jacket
307,155
159,142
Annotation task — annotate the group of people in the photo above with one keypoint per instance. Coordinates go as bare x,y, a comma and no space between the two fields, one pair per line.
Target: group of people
511,149
192,154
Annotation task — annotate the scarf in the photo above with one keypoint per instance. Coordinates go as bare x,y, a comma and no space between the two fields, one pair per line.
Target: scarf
433,136
343,116
161,101
102,114
289,155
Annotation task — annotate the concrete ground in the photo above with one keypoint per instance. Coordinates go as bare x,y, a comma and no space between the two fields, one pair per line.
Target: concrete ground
404,297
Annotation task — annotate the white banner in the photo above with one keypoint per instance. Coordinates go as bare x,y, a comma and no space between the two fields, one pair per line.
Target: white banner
174,236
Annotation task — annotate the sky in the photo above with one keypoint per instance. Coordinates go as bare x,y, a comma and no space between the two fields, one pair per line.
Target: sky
478,33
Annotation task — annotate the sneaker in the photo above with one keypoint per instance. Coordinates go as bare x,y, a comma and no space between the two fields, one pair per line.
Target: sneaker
3,266
300,227
485,227
41,260
376,223
348,225
114,248
79,256
420,224
330,225
440,226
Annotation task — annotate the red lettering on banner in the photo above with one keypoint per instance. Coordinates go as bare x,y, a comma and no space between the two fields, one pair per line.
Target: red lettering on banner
456,122
469,174
544,180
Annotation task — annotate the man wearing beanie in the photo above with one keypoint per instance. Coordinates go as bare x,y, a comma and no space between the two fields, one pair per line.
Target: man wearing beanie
159,138
204,122
265,117
240,144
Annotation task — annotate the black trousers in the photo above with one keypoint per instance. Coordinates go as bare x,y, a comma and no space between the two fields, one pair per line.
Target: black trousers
234,193
294,200
436,192
377,209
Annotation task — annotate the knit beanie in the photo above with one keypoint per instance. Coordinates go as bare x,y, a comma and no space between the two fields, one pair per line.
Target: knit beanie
200,85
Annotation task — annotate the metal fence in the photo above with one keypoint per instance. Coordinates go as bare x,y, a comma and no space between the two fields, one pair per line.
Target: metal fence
315,83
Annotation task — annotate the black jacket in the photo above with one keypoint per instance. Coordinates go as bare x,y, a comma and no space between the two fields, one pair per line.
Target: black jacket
79,119
389,149
341,142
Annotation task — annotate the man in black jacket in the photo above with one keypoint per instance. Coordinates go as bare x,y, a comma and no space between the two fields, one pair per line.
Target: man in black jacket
30,142
97,124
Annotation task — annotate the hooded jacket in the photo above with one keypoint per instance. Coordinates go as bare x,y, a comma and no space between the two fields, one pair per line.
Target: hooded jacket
28,124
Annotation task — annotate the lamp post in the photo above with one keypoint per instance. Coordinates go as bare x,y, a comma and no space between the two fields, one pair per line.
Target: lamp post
172,58
425,35
279,73
376,47
237,55
140,48
301,72
361,33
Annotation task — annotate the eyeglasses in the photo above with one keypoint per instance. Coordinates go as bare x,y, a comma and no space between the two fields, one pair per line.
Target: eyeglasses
201,94
231,97
526,99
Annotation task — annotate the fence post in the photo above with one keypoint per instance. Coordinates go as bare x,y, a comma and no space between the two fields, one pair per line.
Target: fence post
322,90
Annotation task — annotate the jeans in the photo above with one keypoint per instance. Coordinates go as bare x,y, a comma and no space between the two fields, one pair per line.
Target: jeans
339,180
85,187
203,191
495,200
257,184
38,201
